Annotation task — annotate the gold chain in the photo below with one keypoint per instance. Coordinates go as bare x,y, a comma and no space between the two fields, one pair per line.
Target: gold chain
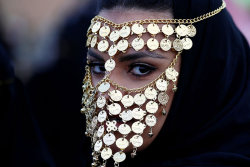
167,21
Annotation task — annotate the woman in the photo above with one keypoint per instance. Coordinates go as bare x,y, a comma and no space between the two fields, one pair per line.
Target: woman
131,100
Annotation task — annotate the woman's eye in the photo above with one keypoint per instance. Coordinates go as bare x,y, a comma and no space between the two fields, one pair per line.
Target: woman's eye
141,69
97,68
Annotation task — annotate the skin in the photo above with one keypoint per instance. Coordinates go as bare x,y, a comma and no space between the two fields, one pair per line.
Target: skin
132,68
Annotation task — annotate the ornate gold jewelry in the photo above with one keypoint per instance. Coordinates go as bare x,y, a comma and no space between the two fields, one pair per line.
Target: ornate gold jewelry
102,105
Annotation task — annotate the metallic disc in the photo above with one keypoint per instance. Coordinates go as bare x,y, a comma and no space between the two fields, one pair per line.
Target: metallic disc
152,107
124,129
103,45
112,50
96,26
191,30
150,93
165,44
98,145
119,157
150,120
153,44
137,28
161,85
104,31
102,116
122,143
109,65
122,45
187,43
106,153
138,43
104,87
125,31
93,41
181,30
88,42
137,141
139,99
114,35
109,139
100,131
115,95
153,29
163,98
138,113
167,29
138,127
171,73
126,115
178,45
101,101
114,108
127,100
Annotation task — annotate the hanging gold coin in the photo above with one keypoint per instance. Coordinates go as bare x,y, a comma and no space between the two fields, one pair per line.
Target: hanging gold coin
138,43
138,127
124,129
187,43
122,45
163,98
167,29
100,131
122,143
150,120
126,115
137,29
125,31
114,109
109,139
119,157
112,50
115,95
191,30
137,141
106,153
139,99
104,31
93,41
103,45
165,44
181,30
96,27
178,45
98,145
171,74
114,35
138,113
109,65
152,107
102,116
161,85
153,44
104,87
101,101
150,93
153,29
127,100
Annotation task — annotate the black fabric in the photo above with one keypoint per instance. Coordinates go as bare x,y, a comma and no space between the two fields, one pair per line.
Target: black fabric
209,120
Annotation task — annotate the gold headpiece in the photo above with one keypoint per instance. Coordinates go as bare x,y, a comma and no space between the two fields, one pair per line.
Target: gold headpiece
152,96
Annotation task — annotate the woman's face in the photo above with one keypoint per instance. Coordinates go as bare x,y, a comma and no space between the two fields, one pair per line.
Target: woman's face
135,69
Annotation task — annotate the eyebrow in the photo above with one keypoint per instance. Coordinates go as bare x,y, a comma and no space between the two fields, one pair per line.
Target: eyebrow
129,57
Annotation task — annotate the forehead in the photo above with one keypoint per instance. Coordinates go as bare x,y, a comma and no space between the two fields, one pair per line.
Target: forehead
120,15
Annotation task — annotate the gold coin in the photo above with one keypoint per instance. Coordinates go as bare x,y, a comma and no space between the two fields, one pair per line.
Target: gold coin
153,29
122,45
112,50
125,31
178,45
88,42
165,44
138,43
137,28
181,30
96,26
163,98
103,45
153,44
119,157
187,43
104,31
93,41
114,36
109,65
167,29
191,30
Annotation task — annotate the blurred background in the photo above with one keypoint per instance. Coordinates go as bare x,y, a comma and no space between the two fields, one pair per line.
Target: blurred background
44,43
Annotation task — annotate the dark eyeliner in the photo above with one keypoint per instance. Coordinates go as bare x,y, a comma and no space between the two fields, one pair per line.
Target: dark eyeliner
150,68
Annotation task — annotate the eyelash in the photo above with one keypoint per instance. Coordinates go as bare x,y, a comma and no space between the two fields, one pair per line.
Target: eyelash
145,66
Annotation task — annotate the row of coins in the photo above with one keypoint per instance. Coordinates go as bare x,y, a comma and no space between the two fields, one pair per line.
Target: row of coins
138,43
104,31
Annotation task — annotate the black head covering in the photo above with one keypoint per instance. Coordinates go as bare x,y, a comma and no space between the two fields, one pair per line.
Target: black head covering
209,120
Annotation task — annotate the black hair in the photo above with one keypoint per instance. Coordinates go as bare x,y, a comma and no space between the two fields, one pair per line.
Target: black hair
152,5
